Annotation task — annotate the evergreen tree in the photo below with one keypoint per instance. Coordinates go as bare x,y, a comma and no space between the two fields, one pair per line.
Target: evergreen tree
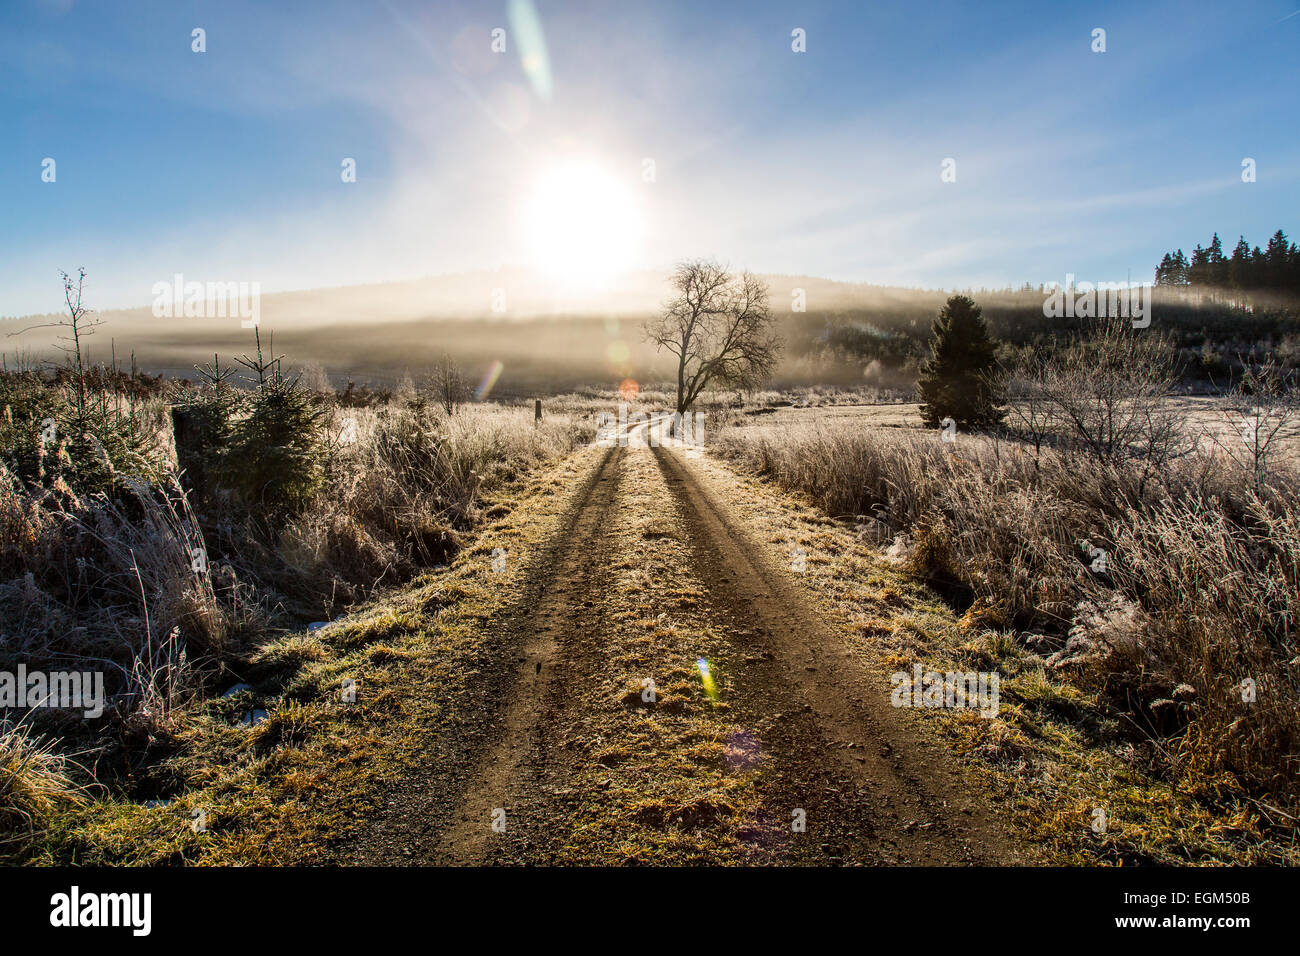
1180,268
273,457
958,381
1165,271
1216,264
1198,271
1277,258
1239,265
1275,268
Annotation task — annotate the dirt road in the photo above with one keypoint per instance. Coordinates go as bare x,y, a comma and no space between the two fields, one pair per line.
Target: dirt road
666,693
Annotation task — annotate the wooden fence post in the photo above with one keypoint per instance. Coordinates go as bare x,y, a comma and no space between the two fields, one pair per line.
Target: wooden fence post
537,412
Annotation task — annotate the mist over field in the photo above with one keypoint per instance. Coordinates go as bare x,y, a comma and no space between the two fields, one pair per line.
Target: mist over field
835,333
546,341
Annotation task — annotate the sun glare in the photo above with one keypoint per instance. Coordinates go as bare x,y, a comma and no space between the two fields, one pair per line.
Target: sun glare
581,225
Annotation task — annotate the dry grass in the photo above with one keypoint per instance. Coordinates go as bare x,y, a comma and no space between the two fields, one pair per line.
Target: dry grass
171,598
1198,597
297,788
34,783
407,483
1221,594
1059,749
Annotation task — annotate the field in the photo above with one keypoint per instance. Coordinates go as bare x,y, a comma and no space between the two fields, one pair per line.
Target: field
418,616
781,420
502,441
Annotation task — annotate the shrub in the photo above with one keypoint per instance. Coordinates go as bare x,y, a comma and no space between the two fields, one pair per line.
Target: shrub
48,442
1105,395
203,423
273,462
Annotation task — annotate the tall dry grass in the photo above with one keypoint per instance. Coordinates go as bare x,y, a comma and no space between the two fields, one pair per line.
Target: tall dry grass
170,592
35,782
407,481
1219,580
1194,609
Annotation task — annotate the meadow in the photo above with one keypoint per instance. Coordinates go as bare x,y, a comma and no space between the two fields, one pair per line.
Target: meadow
1148,600
1127,538
173,565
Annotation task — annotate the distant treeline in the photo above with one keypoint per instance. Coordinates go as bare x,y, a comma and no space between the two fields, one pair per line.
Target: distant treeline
893,331
893,326
1275,268
1209,332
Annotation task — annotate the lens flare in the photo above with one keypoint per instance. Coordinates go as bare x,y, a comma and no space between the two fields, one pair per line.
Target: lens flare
706,679
526,26
489,379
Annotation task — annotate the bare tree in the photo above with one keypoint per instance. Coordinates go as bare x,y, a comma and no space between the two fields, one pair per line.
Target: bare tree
449,386
1030,415
718,326
1259,412
1109,394
79,325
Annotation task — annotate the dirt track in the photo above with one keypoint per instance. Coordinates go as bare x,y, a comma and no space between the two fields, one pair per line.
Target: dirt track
567,763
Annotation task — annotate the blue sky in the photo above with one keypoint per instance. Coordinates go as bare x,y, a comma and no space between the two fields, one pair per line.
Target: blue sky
225,165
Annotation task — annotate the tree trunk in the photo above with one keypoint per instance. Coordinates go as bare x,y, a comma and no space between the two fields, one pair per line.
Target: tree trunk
681,383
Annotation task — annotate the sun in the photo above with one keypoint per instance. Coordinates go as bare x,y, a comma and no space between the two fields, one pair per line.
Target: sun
581,225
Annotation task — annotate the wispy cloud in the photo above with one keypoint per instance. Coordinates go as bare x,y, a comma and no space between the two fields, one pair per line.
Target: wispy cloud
825,162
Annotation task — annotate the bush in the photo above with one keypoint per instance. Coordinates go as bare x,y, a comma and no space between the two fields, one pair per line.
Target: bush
48,442
273,461
1105,395
203,423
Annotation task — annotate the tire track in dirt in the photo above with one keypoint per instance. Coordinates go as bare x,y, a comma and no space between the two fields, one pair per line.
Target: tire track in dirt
647,571
623,779
874,789
564,609
443,815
